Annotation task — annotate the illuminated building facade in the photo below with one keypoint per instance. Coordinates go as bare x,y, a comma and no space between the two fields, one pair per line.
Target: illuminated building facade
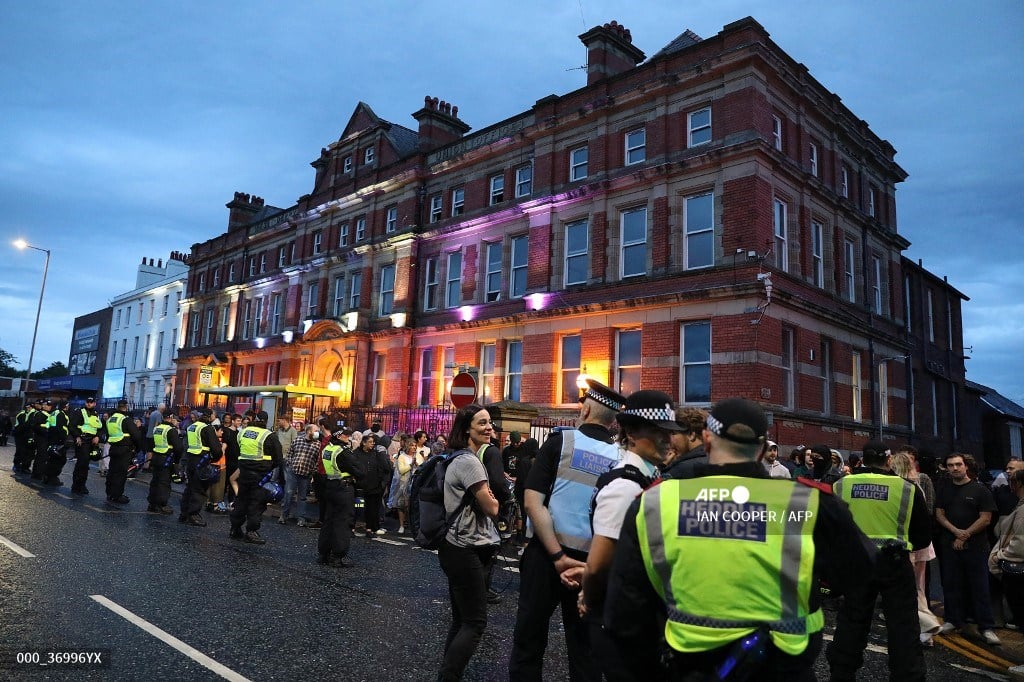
709,222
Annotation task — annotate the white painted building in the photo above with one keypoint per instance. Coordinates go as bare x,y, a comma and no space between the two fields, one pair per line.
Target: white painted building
144,330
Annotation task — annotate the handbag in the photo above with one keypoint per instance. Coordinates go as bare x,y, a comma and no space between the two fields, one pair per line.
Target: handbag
997,565
1011,567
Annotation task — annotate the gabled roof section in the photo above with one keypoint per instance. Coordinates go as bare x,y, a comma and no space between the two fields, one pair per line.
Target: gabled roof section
684,40
404,141
997,402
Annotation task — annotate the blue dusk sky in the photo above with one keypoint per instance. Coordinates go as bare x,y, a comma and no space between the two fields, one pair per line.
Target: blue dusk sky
126,126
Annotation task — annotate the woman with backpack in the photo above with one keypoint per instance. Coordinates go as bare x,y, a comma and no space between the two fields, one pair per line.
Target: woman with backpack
471,541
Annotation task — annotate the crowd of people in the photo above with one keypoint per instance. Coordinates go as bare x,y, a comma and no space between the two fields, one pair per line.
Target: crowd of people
635,524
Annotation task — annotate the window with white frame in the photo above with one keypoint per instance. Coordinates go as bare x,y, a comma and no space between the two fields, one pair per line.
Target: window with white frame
788,368
458,201
634,243
160,346
699,127
368,156
569,364
166,305
391,220
118,324
814,159
700,231
524,181
360,229
339,295
695,374
935,407
355,290
231,272
453,281
124,351
313,300
844,182
883,393
216,278
281,253
907,309
346,164
872,208
252,266
497,194
777,132
263,263
430,283
387,290
426,382
827,378
247,320
492,277
636,146
113,353
487,363
1016,446
849,263
202,281
258,317
627,361
138,320
855,386
435,208
225,323
817,254
876,284
379,369
519,260
931,316
577,244
196,322
514,371
250,375
275,313
578,160
343,235
318,242
949,323
211,317
781,242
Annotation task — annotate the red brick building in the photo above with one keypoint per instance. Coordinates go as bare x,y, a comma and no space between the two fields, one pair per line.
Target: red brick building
710,222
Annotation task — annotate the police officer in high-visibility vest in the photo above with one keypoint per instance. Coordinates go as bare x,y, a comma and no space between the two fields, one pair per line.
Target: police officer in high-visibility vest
24,446
259,453
203,447
557,500
892,513
39,421
85,426
339,500
125,440
724,568
57,444
167,451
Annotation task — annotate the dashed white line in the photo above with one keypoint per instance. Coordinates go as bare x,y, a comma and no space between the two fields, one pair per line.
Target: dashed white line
389,542
193,653
870,647
17,549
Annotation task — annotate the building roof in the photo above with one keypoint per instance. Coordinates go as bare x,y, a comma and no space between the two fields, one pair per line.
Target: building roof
998,402
681,42
405,141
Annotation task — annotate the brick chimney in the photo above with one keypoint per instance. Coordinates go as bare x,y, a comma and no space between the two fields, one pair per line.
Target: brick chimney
610,51
242,210
439,123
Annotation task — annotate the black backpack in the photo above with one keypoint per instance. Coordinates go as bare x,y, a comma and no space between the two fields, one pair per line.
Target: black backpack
629,472
427,515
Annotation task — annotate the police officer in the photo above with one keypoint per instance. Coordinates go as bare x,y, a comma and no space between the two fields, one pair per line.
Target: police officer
760,616
24,445
39,422
892,513
56,444
125,440
203,447
339,500
85,426
259,453
557,501
167,451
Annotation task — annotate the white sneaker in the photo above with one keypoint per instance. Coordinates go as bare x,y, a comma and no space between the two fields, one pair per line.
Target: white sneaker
401,530
926,640
381,531
1017,669
990,638
946,627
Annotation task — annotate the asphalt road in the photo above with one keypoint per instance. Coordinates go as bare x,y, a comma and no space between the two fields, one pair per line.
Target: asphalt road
158,600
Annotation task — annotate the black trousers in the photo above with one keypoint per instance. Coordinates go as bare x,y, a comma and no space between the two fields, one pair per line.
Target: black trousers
540,591
607,654
39,458
893,579
319,483
56,458
250,503
121,455
81,470
338,502
466,568
371,510
24,451
194,496
160,483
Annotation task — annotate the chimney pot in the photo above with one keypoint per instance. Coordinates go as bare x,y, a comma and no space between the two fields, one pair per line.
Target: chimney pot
455,112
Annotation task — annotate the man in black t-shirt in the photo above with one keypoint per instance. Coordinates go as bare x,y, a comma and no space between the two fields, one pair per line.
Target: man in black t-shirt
964,510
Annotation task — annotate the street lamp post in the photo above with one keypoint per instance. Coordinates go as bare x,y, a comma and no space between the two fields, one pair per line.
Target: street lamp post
22,244
881,405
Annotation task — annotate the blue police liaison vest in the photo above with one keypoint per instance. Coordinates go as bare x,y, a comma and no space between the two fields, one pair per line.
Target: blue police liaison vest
582,461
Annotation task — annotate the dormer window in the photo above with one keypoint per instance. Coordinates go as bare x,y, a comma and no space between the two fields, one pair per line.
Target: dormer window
368,156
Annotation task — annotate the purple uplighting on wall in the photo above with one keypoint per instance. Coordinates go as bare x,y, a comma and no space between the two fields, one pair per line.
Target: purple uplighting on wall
467,313
536,301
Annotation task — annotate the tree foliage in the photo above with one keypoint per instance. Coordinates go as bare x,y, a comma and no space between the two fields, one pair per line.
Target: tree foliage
7,362
55,369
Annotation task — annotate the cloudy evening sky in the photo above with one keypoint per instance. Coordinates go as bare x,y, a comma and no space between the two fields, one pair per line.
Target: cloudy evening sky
126,126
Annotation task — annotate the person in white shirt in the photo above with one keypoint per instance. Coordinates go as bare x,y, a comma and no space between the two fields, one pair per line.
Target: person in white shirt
771,462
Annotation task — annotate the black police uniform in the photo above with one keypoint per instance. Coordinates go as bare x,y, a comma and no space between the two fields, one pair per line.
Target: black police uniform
24,446
85,443
251,500
193,498
339,505
38,422
56,447
160,466
893,579
122,453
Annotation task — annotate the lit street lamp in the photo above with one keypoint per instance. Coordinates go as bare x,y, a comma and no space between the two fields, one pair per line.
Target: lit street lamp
22,244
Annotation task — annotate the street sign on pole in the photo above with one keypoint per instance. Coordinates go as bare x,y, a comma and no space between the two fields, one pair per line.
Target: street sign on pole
463,389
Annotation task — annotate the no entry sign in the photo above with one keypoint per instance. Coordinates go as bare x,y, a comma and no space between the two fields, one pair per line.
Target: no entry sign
463,389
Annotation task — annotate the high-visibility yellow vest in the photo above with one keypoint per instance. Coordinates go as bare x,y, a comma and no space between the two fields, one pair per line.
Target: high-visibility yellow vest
51,422
194,436
115,432
686,538
330,457
880,504
250,444
91,423
161,444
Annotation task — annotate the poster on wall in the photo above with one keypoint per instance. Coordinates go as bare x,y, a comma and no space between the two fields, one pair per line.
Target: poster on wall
298,416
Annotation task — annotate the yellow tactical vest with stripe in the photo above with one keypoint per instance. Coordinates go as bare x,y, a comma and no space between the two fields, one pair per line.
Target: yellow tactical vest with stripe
194,436
330,457
115,432
880,505
91,423
250,444
161,444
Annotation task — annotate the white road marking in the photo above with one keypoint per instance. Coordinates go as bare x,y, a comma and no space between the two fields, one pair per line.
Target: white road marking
16,548
66,497
389,542
172,641
870,647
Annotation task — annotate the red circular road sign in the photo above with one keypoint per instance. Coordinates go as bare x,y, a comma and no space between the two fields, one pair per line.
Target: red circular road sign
463,389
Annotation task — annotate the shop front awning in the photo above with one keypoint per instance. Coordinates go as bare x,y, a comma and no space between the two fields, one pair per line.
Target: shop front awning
281,389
